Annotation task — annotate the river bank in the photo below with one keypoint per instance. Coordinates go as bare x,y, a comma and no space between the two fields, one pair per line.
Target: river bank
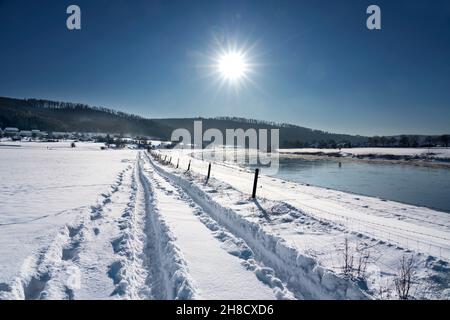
423,157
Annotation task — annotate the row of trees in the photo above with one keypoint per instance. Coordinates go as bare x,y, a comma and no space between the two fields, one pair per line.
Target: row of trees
403,141
47,104
413,141
322,144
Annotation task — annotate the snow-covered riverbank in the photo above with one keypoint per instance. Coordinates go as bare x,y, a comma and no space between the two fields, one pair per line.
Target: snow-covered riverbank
417,156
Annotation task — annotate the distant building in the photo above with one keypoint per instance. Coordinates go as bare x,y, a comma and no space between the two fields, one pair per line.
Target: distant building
59,135
10,132
25,133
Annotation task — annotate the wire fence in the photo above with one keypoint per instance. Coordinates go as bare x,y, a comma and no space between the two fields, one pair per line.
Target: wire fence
379,232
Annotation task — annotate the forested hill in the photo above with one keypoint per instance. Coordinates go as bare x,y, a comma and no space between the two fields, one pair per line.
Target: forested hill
68,117
290,135
28,114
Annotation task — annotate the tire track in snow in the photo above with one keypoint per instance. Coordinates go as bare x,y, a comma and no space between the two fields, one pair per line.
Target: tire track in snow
302,273
150,265
129,272
230,253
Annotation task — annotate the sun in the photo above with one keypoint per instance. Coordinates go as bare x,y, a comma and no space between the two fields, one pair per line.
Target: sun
232,66
229,64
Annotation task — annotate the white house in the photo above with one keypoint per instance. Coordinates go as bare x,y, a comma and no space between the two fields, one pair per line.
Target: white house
59,135
11,131
25,133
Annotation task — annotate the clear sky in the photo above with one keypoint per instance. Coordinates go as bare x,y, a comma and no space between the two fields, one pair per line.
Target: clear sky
313,63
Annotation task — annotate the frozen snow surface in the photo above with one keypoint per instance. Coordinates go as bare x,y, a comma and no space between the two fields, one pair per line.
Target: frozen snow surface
85,223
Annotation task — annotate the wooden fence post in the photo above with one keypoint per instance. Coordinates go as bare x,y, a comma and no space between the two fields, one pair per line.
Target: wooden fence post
255,184
189,166
209,172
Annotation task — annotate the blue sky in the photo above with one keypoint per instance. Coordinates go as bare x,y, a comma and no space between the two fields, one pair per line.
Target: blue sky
314,63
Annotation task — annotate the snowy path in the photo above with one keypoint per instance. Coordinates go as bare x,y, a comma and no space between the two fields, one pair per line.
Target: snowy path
216,274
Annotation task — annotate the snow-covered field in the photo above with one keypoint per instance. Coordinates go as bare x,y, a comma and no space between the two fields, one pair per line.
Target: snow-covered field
89,224
43,187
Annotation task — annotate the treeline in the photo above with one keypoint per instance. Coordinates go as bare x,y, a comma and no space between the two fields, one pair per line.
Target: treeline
410,141
403,141
264,122
322,144
291,136
39,103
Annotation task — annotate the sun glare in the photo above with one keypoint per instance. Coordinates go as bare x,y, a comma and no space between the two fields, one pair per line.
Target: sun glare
232,66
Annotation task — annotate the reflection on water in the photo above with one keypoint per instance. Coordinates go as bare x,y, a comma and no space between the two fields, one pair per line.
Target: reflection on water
421,186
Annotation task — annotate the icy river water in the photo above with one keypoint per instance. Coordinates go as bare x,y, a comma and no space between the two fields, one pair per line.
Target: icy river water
421,186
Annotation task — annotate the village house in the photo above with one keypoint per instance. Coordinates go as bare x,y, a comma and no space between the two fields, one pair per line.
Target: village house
25,133
11,132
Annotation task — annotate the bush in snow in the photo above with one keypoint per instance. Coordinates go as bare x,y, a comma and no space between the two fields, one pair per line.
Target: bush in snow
355,261
405,277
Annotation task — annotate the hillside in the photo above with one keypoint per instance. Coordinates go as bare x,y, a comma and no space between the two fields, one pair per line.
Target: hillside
28,114
61,116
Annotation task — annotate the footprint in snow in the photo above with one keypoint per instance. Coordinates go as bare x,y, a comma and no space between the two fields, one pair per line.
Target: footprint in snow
96,215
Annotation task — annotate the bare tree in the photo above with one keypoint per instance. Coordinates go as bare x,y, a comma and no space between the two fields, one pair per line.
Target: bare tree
405,277
363,259
404,141
355,260
384,291
347,267
445,139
